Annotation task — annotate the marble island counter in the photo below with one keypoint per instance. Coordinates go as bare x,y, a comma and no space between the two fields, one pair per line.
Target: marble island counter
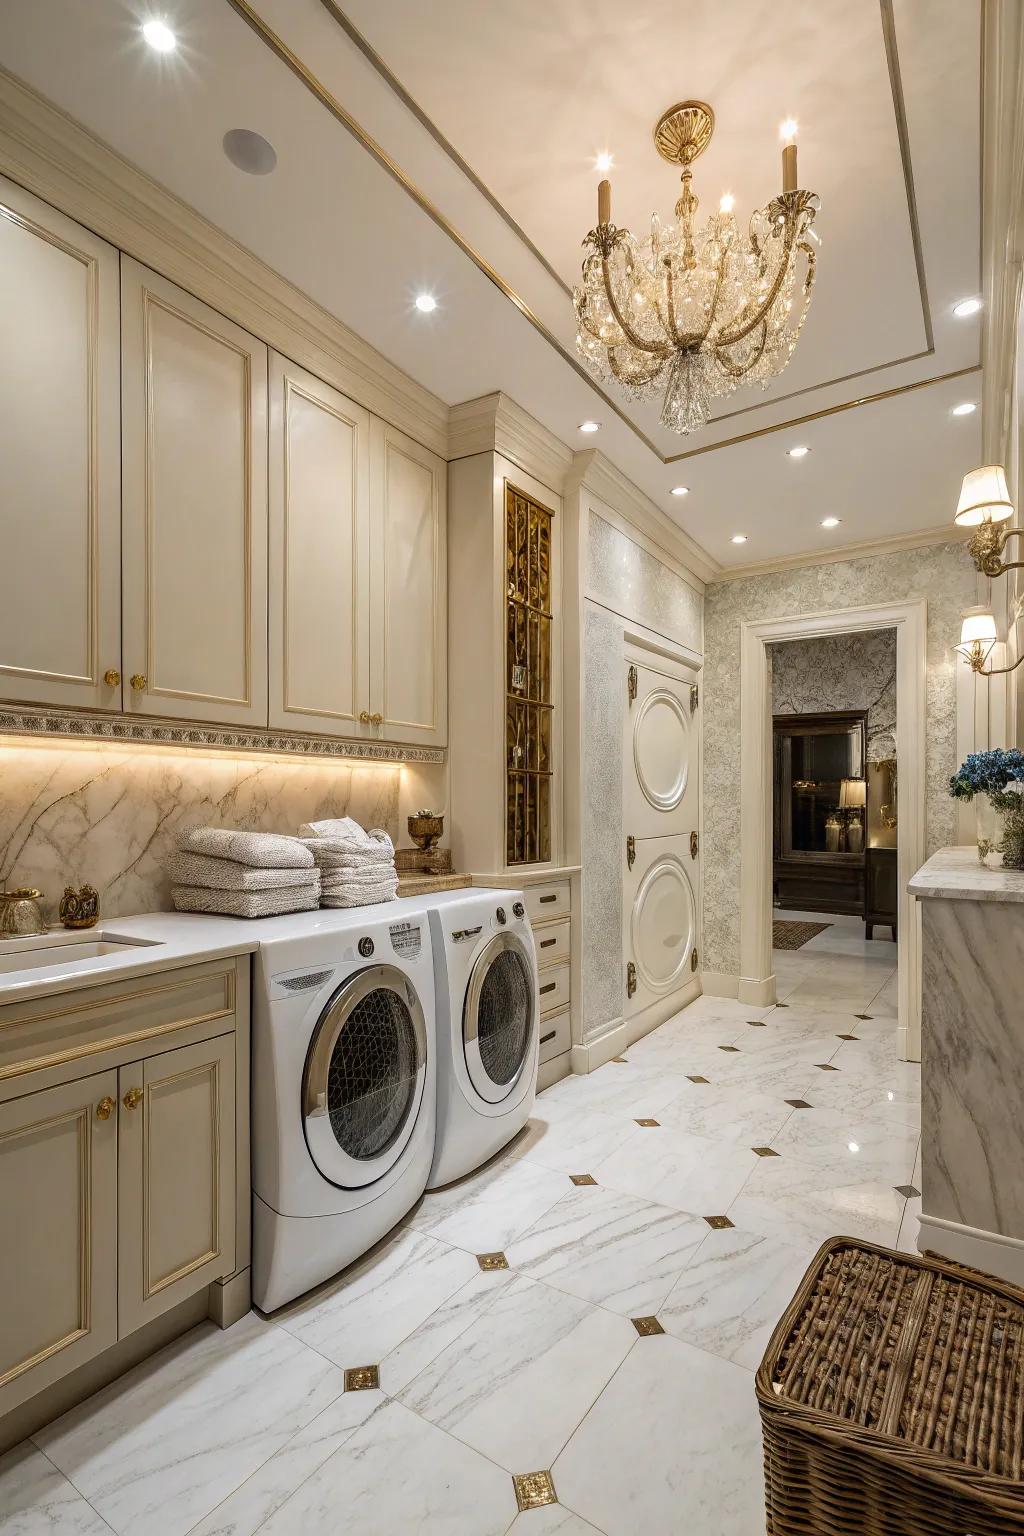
972,1061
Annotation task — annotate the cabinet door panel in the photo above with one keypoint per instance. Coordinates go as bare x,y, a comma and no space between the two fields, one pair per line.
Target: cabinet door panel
408,636
319,554
195,506
58,1260
176,1178
60,579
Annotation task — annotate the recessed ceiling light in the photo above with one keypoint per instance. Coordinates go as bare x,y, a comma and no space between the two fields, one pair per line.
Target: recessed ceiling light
831,522
590,426
604,161
680,490
727,203
965,408
966,307
739,538
425,303
854,1146
799,452
249,151
159,36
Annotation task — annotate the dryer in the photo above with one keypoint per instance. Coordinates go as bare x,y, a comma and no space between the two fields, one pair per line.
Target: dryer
343,1095
485,974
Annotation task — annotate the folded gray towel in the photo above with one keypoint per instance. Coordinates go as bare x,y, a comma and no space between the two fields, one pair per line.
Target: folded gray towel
333,855
261,850
365,897
347,834
345,880
199,898
228,875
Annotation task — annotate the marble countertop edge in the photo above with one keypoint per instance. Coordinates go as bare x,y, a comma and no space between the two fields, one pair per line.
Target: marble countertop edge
957,874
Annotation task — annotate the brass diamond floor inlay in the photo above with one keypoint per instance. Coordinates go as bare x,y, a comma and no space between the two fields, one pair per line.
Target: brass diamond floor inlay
698,1079
729,1048
765,1151
648,1122
646,1326
534,1490
582,1178
620,1058
718,1223
868,1016
757,1023
782,1005
799,1104
908,1190
362,1378
492,1261
847,1037
825,1066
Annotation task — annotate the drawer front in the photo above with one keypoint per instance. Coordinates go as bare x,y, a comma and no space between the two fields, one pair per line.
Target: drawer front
553,943
53,1030
544,902
554,989
555,1035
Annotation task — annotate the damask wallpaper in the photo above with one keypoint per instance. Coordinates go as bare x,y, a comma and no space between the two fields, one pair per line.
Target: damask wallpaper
942,574
840,672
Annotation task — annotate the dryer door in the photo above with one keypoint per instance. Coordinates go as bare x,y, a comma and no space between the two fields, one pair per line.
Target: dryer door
499,1021
363,1082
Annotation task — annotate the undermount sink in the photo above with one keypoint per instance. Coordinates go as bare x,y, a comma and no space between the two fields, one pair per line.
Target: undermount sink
59,950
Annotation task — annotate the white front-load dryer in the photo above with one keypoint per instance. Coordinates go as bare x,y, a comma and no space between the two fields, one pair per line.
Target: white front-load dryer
343,1089
485,975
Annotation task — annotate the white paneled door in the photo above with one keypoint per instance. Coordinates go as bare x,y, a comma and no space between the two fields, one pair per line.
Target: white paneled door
60,576
194,525
661,813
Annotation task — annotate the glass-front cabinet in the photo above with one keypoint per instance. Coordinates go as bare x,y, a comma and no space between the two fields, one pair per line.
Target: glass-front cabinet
528,682
820,794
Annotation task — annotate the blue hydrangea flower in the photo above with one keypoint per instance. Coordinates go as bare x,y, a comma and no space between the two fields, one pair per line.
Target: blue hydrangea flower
987,773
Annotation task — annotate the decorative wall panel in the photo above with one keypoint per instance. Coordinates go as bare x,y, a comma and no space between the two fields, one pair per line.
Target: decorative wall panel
626,577
840,672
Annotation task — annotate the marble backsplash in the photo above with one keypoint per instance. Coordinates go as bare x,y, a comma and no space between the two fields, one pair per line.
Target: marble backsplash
110,815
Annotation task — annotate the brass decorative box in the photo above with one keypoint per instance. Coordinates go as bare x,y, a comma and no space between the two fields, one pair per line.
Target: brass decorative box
423,861
425,828
81,908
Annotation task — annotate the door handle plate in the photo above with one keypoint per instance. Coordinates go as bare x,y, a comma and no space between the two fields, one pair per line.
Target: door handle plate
630,851
694,845
630,979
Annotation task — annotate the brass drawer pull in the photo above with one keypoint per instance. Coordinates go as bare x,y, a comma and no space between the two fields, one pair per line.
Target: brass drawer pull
549,1036
547,943
112,677
105,1108
133,1098
549,988
376,718
139,682
543,899
364,717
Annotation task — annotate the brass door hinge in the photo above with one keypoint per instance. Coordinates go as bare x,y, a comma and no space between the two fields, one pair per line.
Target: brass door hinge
694,697
630,979
630,851
694,845
631,684
693,959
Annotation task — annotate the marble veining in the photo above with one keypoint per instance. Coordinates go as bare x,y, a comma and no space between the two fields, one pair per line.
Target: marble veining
957,874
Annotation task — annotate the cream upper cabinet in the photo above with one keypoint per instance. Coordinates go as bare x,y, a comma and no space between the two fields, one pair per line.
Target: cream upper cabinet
319,555
60,579
194,423
408,590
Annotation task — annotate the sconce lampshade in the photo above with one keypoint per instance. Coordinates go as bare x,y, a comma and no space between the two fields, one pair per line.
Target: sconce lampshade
983,497
852,793
978,628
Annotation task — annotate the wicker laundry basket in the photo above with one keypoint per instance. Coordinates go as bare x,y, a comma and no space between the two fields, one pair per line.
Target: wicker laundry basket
892,1400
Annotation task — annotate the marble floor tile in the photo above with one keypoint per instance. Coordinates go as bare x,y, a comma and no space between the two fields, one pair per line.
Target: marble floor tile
733,1292
610,1249
519,1381
164,1445
793,1202
690,1173
619,1088
875,1056
672,1445
486,1211
893,1098
569,1140
841,1146
819,992
551,1520
728,1112
442,1328
669,1048
37,1500
399,1473
364,1313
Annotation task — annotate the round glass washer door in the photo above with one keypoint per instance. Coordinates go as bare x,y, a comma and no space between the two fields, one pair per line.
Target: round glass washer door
499,1018
364,1076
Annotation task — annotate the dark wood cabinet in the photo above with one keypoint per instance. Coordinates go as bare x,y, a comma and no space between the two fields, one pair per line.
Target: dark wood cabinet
819,866
881,890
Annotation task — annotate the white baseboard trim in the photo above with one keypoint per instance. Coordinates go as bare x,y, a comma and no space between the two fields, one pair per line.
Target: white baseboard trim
992,1252
657,1013
759,994
720,984
598,1049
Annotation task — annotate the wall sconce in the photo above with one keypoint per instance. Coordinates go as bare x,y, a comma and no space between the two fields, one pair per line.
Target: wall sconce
977,637
984,503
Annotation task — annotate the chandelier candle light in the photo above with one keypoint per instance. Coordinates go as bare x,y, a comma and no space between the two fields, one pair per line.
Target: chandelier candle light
697,312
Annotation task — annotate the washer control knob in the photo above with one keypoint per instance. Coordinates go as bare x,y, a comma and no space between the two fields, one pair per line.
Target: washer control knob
518,910
500,915
365,947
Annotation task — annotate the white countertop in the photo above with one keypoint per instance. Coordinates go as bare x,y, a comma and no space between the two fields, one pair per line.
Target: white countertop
957,874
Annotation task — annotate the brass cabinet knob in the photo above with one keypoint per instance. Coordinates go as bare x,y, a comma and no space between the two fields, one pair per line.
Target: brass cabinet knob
105,1108
139,682
364,717
112,677
376,718
133,1098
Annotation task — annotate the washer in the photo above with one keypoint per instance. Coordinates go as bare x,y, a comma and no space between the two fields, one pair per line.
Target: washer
343,1098
485,978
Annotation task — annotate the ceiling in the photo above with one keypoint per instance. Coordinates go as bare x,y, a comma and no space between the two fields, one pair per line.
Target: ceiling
467,170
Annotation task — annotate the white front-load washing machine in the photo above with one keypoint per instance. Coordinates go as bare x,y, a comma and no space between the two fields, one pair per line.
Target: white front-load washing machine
485,974
343,1089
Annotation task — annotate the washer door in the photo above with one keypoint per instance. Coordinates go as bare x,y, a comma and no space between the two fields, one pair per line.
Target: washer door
364,1075
499,1017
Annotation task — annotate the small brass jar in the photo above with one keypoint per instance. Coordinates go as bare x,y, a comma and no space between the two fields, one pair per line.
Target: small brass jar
21,916
425,828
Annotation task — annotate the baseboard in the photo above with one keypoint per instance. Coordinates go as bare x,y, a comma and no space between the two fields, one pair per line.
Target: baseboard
720,984
554,1070
595,1052
759,994
657,1013
231,1299
989,1251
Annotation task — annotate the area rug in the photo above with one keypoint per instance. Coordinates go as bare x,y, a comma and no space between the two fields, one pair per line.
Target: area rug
794,935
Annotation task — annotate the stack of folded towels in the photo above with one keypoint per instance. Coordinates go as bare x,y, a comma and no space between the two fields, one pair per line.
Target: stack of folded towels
242,874
356,867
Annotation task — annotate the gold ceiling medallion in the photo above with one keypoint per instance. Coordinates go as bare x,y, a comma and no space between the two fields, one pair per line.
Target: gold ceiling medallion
696,312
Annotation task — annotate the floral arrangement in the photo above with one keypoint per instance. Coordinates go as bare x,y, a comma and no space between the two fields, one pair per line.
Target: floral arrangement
999,774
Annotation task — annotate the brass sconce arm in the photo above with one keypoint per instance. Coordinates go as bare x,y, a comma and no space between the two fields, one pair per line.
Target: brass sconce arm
975,657
986,549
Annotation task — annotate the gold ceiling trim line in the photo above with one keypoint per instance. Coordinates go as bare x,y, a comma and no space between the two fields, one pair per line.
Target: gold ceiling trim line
892,59
370,53
305,76
829,410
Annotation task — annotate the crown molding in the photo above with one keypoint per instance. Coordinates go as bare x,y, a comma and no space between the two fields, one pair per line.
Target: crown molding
944,533
495,424
54,157
593,472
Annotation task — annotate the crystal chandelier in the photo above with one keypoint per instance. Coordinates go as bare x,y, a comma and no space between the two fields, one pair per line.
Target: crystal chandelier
696,311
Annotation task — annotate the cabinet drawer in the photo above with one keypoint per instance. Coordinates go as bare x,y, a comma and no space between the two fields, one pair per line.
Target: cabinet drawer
554,989
553,943
555,1035
543,902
